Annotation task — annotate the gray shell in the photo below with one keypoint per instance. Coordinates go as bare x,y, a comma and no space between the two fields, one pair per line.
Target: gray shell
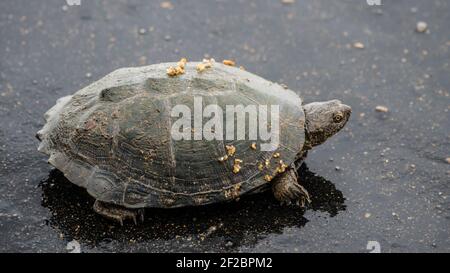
113,137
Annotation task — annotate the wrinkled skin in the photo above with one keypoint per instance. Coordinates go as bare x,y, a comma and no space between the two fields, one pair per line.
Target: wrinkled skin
323,120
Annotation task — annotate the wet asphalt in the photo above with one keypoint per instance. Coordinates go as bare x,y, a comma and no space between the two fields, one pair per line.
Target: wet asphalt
385,178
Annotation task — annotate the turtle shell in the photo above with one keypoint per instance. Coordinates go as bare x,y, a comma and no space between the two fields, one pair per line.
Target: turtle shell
113,137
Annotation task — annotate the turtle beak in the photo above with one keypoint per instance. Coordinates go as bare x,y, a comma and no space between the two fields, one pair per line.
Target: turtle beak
346,109
39,136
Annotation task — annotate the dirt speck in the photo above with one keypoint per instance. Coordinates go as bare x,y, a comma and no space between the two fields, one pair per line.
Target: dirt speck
166,5
142,31
287,2
358,45
229,62
421,27
381,108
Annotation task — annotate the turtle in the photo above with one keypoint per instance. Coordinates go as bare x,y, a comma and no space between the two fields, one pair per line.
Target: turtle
115,139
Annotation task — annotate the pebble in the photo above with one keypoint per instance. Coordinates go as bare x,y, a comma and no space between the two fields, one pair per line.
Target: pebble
337,168
167,38
358,45
88,75
421,26
229,244
166,5
142,31
367,215
288,1
381,108
448,160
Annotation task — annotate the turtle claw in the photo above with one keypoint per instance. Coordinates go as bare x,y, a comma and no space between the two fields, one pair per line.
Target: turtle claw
138,215
117,213
141,213
288,191
299,203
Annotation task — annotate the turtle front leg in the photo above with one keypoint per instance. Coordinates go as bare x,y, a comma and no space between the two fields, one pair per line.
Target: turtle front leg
118,213
287,190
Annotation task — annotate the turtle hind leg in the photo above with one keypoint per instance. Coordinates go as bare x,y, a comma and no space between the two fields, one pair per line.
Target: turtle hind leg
287,190
118,213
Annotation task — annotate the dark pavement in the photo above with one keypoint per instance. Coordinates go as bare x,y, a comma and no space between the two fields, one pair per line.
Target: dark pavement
385,178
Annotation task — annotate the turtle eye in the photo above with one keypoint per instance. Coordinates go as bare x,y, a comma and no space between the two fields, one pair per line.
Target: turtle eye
338,117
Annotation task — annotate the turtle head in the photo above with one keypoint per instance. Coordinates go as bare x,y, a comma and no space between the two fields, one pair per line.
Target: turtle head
324,119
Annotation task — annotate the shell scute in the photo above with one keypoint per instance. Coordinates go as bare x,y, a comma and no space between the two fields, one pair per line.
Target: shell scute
113,137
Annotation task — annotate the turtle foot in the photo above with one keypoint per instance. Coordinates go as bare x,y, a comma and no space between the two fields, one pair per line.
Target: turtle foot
288,191
118,213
